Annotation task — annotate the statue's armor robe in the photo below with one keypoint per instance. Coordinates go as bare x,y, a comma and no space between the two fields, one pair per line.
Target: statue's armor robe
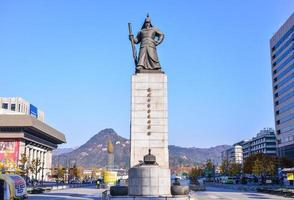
148,58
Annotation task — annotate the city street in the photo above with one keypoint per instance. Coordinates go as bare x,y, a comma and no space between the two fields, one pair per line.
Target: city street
71,193
213,193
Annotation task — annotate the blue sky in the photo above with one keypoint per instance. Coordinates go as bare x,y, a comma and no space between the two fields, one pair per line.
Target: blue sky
73,60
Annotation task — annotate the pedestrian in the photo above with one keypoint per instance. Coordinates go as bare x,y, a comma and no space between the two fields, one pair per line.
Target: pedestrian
98,184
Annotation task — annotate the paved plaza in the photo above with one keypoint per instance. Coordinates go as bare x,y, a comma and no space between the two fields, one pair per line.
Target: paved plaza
213,193
71,193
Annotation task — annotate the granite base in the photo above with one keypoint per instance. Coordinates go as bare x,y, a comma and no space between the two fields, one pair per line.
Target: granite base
178,197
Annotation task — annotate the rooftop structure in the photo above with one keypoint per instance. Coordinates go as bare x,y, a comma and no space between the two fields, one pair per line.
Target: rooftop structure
18,105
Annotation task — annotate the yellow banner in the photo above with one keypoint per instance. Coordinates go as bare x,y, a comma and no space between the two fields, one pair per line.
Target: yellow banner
110,177
290,176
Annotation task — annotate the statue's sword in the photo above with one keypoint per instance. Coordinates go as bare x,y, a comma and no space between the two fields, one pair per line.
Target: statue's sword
133,44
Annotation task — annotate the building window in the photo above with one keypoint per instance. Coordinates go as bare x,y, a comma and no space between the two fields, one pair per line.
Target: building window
13,107
285,54
286,71
287,107
285,46
286,97
279,141
286,89
277,112
287,118
5,105
287,129
284,37
285,80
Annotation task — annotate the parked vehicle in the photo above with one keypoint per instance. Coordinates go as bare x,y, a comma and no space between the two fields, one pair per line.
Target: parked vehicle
59,181
76,181
86,181
227,180
231,180
12,187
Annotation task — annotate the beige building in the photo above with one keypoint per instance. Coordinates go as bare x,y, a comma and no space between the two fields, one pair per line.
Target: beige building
23,131
233,154
282,60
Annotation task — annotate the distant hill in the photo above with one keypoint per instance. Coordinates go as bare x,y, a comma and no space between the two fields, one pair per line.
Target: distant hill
59,151
94,152
189,156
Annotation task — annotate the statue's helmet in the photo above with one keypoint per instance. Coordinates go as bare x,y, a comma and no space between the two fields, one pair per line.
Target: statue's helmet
147,19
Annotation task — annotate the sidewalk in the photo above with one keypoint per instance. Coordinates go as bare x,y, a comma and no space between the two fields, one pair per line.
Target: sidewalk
247,187
234,186
270,189
40,188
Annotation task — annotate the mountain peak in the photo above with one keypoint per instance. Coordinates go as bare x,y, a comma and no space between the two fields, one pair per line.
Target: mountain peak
103,137
106,131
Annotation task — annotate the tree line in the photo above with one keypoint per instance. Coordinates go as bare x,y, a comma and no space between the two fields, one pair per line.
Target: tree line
259,164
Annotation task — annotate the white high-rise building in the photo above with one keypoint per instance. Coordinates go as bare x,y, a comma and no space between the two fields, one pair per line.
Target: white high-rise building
282,60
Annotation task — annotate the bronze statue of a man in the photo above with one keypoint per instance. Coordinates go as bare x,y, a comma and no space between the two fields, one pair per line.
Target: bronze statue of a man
148,37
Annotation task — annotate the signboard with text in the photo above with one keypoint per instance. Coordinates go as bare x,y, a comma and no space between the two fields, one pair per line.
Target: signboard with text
16,185
33,111
290,176
9,150
19,185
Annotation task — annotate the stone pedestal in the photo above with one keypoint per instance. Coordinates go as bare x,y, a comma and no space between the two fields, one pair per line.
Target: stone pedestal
149,116
149,180
180,197
149,174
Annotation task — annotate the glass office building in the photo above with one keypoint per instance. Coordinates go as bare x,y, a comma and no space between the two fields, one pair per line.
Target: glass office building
282,60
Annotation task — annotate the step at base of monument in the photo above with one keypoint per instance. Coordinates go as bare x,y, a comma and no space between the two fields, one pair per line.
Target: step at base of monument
178,197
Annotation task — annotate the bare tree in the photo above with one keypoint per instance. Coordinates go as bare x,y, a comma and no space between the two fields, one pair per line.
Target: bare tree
35,167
